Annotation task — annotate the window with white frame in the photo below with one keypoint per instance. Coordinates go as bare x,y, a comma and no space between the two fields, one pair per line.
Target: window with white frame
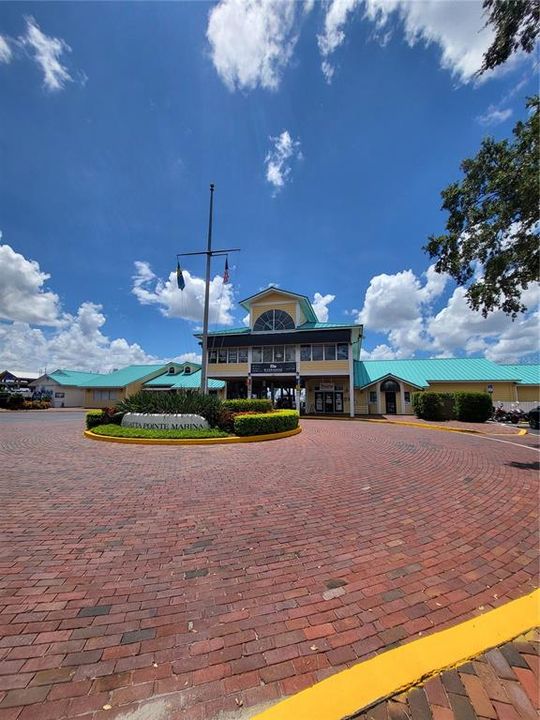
273,353
328,351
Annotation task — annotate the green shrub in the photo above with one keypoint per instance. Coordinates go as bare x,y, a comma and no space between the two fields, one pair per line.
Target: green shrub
4,399
94,418
15,402
248,405
266,423
473,406
434,406
428,406
209,407
129,432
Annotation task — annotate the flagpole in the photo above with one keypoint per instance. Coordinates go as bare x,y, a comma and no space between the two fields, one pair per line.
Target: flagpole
204,369
181,284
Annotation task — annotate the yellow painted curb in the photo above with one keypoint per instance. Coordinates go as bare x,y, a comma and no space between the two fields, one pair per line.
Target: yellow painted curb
192,441
391,672
423,426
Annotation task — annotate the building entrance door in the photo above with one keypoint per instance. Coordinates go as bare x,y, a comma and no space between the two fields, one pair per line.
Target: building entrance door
391,408
328,402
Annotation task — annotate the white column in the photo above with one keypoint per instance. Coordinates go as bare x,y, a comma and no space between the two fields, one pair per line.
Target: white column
402,397
297,379
351,382
378,389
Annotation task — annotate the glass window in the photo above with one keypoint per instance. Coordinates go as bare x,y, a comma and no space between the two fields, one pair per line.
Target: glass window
290,353
329,352
273,320
316,352
342,351
212,356
373,396
242,355
222,356
279,353
112,395
283,321
305,352
256,354
187,370
407,396
233,355
268,355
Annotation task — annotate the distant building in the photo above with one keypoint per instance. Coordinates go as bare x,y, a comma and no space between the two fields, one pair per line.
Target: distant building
17,378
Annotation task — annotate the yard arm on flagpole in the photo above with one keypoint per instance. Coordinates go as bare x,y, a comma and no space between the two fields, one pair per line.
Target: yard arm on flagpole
209,253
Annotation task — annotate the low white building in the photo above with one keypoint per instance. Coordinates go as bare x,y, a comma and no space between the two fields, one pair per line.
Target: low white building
63,387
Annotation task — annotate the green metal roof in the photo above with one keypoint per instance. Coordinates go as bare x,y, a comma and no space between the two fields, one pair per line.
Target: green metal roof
228,331
324,326
125,376
75,378
421,372
527,374
192,381
305,326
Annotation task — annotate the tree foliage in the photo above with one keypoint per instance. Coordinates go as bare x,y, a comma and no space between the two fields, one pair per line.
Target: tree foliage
516,24
491,234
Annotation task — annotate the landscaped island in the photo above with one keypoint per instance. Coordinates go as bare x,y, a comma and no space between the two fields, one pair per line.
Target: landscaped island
223,418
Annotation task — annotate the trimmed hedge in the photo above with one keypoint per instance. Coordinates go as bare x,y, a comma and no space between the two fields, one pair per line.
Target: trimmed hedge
473,406
112,430
107,416
465,406
248,405
431,406
266,423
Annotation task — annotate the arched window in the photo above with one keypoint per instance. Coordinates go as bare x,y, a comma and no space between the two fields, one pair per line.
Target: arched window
187,370
390,386
274,320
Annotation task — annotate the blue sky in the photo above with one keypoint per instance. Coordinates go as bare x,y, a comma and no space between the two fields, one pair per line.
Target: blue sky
328,129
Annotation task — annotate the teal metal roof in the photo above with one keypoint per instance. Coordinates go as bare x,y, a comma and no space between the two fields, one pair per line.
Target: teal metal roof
324,326
228,331
75,378
305,326
125,376
527,374
421,372
192,381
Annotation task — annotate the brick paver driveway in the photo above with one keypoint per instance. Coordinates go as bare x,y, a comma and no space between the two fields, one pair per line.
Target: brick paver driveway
221,577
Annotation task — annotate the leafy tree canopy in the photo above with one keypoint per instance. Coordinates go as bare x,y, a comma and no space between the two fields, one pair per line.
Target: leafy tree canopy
491,234
516,24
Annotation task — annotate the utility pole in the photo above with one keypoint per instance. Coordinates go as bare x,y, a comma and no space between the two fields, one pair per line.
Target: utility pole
209,254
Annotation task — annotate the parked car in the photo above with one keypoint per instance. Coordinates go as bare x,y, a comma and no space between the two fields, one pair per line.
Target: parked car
534,418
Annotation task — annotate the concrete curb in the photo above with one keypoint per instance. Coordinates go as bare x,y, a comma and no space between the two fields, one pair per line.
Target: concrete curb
391,672
193,441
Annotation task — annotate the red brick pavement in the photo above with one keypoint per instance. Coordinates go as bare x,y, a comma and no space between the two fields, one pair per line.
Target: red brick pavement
208,578
501,684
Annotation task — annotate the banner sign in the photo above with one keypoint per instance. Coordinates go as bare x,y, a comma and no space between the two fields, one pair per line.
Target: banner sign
277,368
151,421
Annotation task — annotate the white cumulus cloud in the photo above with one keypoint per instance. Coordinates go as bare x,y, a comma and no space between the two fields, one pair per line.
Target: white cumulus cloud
22,293
63,340
252,41
320,304
47,52
278,160
401,308
187,303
